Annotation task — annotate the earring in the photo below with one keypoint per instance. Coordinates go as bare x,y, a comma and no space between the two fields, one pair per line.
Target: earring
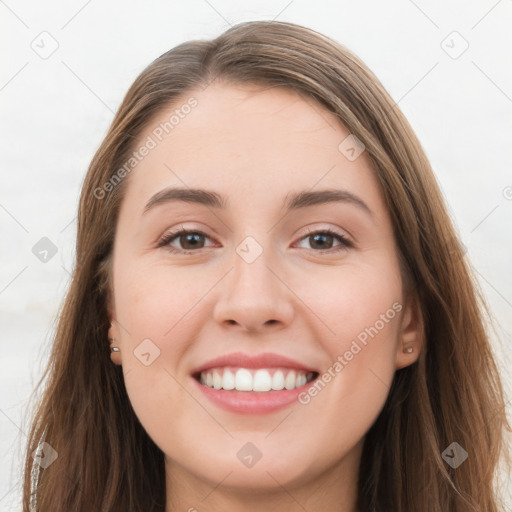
408,350
113,349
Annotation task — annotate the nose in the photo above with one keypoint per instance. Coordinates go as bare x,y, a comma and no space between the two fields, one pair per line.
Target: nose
254,298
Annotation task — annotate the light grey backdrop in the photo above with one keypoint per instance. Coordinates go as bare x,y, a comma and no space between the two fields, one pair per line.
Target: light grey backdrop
67,66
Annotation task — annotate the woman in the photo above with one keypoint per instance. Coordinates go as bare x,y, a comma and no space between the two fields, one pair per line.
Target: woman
265,254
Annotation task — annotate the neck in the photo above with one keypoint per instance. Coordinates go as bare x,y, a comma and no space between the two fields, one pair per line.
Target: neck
333,490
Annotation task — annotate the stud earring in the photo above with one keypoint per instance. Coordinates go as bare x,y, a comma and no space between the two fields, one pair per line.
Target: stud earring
408,350
113,349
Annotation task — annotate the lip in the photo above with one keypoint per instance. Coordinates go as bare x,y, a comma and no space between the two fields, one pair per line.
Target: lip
251,402
265,360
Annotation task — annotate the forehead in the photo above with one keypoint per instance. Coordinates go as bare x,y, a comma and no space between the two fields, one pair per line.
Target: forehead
247,140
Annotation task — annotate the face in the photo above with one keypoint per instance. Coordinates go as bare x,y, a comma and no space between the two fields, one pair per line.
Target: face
283,288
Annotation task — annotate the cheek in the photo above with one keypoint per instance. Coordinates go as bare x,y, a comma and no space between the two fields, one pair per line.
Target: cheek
360,312
155,308
355,303
159,302
350,393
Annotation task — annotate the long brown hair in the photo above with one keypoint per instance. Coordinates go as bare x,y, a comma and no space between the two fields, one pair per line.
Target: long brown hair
106,461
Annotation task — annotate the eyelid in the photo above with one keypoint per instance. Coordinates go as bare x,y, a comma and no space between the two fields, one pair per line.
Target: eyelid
345,240
327,229
172,234
343,233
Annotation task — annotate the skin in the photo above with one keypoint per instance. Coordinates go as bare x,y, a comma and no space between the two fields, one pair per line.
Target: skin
255,146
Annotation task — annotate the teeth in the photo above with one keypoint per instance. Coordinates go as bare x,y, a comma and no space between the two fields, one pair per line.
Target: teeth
217,380
260,380
228,380
291,380
243,380
278,380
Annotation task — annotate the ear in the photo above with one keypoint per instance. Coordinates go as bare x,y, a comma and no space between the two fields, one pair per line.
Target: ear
114,337
411,337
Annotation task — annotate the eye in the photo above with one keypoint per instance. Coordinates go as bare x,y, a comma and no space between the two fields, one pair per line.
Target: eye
323,240
192,241
188,239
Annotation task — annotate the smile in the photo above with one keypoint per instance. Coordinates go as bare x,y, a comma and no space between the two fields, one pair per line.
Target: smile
259,380
252,383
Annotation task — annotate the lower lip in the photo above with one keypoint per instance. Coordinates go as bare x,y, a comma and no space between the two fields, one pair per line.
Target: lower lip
251,402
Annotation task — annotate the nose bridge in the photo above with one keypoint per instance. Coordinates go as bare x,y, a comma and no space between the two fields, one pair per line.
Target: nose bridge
252,280
253,294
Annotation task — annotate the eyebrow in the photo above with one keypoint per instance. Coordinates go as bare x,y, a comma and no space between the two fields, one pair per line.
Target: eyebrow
293,201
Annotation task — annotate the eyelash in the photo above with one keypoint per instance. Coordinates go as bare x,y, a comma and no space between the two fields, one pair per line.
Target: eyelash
169,237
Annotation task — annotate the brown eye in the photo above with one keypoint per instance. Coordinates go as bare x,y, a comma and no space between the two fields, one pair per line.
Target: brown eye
191,240
321,241
183,241
325,241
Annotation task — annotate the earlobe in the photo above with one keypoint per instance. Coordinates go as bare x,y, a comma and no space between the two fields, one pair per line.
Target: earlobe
411,335
115,355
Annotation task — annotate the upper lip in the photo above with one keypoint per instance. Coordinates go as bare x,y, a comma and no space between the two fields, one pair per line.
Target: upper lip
266,360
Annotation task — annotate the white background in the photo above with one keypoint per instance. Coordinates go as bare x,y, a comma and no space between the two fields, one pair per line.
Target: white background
55,112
